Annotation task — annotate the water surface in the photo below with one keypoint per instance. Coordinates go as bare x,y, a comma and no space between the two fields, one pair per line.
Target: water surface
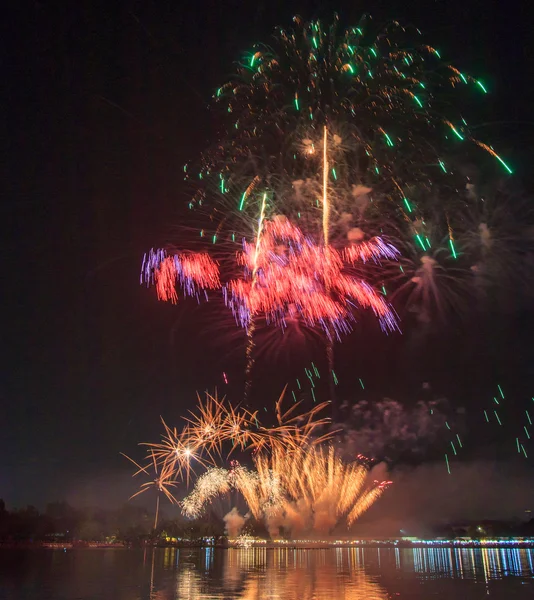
266,574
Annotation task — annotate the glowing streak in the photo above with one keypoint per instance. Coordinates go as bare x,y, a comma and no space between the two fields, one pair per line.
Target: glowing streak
420,241
524,451
334,377
518,448
447,461
528,417
486,415
418,101
442,165
298,383
248,191
500,391
447,425
453,449
388,139
297,101
408,206
258,237
497,416
495,400
526,431
361,383
453,251
459,442
326,206
481,86
503,164
456,132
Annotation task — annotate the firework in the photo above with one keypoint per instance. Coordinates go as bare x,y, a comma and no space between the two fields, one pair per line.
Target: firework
384,96
213,482
192,272
305,489
163,481
291,276
217,427
353,133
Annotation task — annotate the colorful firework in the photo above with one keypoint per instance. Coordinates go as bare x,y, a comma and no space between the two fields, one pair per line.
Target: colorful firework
392,128
354,133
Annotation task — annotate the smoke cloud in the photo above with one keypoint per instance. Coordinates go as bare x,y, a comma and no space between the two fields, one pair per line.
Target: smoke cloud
233,523
389,430
425,496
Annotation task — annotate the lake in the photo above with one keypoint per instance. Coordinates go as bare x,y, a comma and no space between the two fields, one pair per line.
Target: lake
265,573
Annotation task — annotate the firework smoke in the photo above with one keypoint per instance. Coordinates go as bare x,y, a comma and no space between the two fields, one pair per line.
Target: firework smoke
233,522
389,430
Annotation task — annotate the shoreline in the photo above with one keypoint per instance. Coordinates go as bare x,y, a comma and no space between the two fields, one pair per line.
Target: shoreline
286,545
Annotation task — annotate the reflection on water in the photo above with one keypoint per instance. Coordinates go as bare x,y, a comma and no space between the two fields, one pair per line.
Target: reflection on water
254,573
264,573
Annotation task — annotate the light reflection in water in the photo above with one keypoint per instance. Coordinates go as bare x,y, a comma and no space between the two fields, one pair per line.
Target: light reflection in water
281,573
267,574
260,573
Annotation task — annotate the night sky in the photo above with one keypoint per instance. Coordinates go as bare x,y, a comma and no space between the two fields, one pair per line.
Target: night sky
103,104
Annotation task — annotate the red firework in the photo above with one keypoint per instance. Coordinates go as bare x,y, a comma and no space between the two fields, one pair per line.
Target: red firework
287,275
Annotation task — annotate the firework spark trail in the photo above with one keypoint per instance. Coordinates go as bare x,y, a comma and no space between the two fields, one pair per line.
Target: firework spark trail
249,353
163,481
326,203
212,483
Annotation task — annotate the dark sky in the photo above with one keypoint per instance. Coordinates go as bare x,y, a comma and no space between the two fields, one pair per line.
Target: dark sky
103,103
